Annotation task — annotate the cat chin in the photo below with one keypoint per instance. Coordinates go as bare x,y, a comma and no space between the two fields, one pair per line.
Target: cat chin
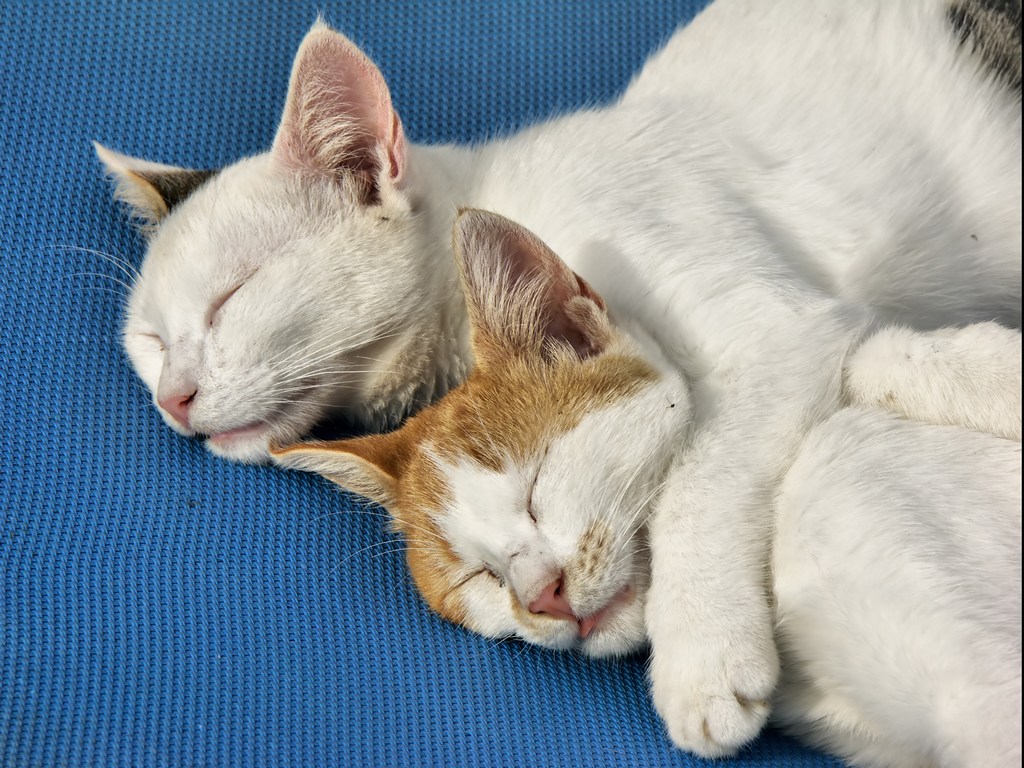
624,634
615,641
248,445
247,449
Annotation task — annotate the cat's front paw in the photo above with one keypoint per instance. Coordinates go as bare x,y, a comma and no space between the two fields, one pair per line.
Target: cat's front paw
714,699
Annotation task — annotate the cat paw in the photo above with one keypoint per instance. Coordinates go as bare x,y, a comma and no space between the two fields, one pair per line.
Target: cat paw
875,374
713,703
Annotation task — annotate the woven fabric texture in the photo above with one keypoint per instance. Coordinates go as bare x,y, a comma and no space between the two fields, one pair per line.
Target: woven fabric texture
164,608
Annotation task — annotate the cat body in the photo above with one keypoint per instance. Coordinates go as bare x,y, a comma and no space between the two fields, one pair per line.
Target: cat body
748,235
896,577
532,498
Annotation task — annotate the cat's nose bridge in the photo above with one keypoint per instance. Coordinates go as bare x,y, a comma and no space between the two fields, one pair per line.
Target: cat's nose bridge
531,572
177,389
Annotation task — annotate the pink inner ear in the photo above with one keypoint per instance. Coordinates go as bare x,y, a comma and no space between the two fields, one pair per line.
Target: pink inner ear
338,112
528,259
560,328
396,152
517,286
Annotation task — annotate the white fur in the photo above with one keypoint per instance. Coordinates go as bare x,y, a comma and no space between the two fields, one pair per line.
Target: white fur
778,177
891,177
897,570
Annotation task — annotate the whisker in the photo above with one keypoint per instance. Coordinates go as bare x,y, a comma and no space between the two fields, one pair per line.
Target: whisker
342,337
121,263
98,289
111,278
414,527
359,551
303,366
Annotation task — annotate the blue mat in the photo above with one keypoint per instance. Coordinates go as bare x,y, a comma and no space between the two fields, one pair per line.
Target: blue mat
164,608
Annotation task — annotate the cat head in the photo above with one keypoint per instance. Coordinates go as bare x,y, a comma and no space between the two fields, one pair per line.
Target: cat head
523,494
291,283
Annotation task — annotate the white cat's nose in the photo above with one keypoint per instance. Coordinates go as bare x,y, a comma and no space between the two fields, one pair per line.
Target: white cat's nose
177,389
178,404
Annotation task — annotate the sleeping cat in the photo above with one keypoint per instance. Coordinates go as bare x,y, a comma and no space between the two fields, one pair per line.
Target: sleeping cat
750,207
878,161
529,497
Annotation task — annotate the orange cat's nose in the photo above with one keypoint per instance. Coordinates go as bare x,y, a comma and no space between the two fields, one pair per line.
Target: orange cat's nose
178,406
551,602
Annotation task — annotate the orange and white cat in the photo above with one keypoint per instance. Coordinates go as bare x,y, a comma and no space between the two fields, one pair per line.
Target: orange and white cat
528,496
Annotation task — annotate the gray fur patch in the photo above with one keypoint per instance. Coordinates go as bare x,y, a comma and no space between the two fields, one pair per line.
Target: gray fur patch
175,186
990,29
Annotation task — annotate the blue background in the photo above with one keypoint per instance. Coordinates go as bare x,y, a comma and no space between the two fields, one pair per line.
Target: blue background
164,608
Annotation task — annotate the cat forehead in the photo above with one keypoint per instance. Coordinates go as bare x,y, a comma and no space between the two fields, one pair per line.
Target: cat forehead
255,206
508,414
247,216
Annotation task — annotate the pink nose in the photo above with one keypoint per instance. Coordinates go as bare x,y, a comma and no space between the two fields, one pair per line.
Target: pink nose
178,406
551,602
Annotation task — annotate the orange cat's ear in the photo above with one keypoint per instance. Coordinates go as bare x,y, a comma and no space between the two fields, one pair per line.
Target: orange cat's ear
371,466
522,298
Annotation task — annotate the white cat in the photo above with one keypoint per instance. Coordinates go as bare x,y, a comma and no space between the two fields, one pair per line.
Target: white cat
895,574
752,205
876,161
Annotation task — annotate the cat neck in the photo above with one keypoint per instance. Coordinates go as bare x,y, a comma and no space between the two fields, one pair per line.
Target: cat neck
438,180
441,180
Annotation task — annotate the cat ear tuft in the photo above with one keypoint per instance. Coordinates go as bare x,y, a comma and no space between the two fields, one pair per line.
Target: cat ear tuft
370,466
338,119
521,296
151,190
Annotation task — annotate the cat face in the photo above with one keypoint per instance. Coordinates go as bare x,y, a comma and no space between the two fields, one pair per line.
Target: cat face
523,494
249,321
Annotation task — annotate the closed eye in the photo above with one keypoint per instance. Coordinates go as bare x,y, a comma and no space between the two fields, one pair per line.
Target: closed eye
485,571
156,338
211,316
529,498
493,574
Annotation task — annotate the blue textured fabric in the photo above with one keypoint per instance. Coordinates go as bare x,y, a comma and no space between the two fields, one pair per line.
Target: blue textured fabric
164,608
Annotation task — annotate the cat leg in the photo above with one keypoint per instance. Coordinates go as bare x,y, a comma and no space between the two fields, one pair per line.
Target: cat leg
714,664
968,377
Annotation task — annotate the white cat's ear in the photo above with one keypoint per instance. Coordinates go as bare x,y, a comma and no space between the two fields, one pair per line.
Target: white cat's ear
521,296
338,119
151,190
371,466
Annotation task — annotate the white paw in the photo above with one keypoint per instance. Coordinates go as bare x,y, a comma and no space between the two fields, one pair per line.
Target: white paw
714,699
876,373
